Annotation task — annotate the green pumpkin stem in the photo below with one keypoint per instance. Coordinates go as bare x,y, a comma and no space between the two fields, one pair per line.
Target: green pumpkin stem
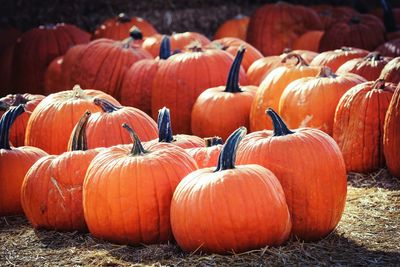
137,148
79,141
300,60
164,126
227,156
105,105
373,56
165,48
213,141
232,85
6,122
135,33
280,128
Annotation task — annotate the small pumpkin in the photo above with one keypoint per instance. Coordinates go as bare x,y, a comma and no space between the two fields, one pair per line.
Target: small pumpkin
206,156
391,71
236,28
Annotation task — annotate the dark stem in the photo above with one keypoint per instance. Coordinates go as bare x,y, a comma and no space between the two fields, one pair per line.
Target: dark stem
346,48
354,20
79,141
227,156
213,141
379,84
326,72
135,33
105,105
232,85
137,148
194,46
280,128
388,16
6,122
164,126
300,60
287,50
165,48
122,17
373,56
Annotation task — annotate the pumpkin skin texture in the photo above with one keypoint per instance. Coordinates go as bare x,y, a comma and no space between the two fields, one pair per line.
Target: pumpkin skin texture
271,89
180,76
391,134
236,28
8,38
274,27
69,60
51,193
391,72
315,192
390,48
127,191
51,123
329,15
369,67
206,156
311,101
14,163
308,41
53,78
241,223
36,48
221,110
358,125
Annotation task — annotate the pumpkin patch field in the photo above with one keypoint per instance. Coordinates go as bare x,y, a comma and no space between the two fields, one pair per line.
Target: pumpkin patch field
200,133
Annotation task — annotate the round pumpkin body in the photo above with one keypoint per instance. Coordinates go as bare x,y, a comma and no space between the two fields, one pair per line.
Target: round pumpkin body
308,41
68,62
236,27
358,125
53,78
391,72
205,157
329,15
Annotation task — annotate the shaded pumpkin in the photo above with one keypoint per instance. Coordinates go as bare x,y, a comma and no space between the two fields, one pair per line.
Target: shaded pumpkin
329,14
207,156
53,78
390,48
391,72
8,38
236,27
308,41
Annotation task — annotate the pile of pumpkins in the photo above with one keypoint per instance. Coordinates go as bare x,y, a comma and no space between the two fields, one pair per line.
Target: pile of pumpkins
105,159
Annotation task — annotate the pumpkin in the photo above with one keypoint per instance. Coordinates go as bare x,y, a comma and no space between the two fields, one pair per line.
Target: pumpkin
8,38
128,190
53,78
102,129
362,31
274,27
51,193
137,82
36,48
312,101
329,15
390,48
358,125
206,156
308,41
271,89
236,28
68,62
51,123
369,67
117,28
311,170
336,58
183,77
391,72
14,163
220,110
231,208
391,134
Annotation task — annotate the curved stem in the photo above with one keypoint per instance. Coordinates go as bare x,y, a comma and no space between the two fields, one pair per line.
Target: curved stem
164,126
105,105
373,56
326,72
227,156
232,85
135,33
213,141
122,17
280,128
137,148
379,84
194,46
300,60
165,48
6,122
79,141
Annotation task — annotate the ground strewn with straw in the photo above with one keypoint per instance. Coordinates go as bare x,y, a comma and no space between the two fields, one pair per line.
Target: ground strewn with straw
368,234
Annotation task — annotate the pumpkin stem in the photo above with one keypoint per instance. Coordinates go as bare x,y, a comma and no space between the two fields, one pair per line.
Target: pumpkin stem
373,56
194,46
227,156
388,17
213,141
287,50
326,72
164,126
137,148
346,48
354,20
4,106
122,17
300,60
105,105
280,128
232,85
379,84
135,33
77,91
79,141
6,122
165,48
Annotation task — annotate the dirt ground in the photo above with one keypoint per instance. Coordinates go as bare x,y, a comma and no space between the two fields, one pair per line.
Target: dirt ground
368,235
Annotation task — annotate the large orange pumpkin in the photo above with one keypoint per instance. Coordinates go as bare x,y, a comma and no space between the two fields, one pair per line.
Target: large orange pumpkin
128,189
391,72
310,167
207,156
236,28
216,207
53,78
358,125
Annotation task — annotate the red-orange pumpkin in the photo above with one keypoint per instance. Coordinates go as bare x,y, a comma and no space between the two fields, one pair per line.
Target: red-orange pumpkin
329,15
236,27
391,72
390,48
8,38
336,58
53,78
207,156
308,41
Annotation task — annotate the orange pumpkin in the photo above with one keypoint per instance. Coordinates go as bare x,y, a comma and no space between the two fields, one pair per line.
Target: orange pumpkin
206,156
53,78
311,170
236,28
391,72
69,60
336,58
308,41
213,206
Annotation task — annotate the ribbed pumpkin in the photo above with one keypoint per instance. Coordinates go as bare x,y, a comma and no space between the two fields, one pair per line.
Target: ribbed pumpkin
36,48
391,134
103,128
236,27
137,83
53,78
221,110
69,60
308,41
102,63
329,15
336,58
271,89
274,27
369,67
358,125
8,38
390,48
224,216
207,156
117,28
14,163
311,170
51,194
391,72
51,123
128,190
183,77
